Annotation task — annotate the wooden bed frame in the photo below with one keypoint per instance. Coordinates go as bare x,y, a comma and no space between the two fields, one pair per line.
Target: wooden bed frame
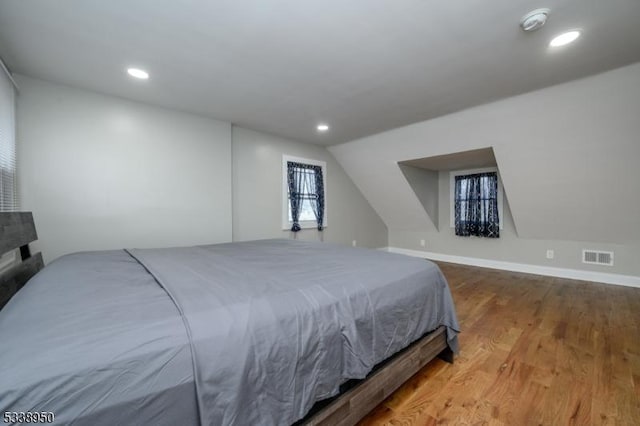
362,396
357,397
17,230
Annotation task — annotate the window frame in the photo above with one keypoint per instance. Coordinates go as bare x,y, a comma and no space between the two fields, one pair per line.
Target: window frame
304,224
9,199
452,195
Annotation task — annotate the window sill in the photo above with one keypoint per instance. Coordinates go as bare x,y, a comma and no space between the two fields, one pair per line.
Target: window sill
303,225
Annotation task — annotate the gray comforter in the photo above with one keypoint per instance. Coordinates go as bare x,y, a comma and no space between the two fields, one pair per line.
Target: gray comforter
242,333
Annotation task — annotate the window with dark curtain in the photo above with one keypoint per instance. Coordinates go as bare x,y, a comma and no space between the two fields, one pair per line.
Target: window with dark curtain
476,205
306,192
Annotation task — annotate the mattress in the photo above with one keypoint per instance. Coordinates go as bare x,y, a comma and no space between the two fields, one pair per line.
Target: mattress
241,333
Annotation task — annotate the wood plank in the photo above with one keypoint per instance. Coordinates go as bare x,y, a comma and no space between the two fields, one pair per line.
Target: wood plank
354,404
16,230
15,278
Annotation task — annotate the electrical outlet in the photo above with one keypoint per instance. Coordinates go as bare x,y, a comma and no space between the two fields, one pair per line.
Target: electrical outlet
550,254
354,243
422,243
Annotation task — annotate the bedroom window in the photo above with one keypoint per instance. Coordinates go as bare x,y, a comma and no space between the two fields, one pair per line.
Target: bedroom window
8,193
304,183
476,203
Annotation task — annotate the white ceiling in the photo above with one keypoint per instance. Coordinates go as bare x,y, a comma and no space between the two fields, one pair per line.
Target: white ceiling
282,66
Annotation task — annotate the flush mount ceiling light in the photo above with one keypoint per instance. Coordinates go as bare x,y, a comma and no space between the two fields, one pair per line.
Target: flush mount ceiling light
322,127
534,19
564,38
138,73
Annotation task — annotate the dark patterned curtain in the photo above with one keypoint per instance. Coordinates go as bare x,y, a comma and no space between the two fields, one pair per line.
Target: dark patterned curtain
305,183
476,205
318,205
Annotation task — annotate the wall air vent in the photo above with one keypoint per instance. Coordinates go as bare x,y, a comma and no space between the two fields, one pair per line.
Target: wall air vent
597,257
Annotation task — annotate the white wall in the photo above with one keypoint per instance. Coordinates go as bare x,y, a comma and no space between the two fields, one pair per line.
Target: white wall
568,156
101,172
510,247
257,194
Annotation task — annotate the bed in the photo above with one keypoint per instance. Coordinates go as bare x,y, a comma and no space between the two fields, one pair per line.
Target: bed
259,332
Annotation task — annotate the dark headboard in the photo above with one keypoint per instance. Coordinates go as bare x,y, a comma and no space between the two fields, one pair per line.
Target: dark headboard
17,230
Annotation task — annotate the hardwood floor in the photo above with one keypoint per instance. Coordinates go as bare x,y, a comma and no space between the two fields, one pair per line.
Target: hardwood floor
534,351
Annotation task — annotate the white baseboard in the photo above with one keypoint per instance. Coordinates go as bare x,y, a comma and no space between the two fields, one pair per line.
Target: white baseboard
574,274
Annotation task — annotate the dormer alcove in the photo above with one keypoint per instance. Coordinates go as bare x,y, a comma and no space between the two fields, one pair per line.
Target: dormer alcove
424,174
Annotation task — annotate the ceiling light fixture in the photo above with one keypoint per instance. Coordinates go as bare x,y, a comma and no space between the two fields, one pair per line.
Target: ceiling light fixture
138,73
322,127
564,38
534,20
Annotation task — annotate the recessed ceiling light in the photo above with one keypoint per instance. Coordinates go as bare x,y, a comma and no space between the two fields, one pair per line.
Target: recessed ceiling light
322,127
138,73
564,38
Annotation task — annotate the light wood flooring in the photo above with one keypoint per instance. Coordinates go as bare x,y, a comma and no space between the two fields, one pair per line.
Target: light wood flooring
534,351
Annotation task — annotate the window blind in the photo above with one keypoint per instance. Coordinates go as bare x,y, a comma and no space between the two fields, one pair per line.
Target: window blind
8,190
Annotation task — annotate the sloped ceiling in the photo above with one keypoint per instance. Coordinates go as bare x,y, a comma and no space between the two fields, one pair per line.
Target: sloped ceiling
475,158
569,157
281,66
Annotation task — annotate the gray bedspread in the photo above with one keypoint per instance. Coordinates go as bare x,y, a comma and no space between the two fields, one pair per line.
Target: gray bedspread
243,333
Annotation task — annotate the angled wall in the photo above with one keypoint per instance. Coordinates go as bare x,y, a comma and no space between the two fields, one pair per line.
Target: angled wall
425,185
568,156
